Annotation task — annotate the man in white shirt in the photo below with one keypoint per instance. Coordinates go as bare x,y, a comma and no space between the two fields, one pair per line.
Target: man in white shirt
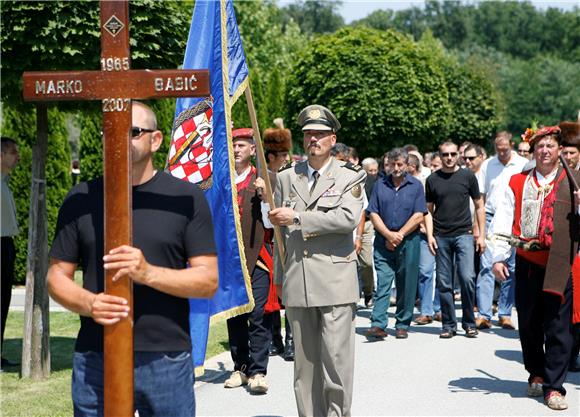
9,229
497,172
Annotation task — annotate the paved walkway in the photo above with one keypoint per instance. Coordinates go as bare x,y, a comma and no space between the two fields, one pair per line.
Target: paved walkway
420,376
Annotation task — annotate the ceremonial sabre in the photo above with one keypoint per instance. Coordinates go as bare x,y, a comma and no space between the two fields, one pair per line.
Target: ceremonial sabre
529,245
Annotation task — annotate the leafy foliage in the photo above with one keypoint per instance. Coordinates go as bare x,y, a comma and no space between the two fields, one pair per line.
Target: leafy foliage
269,46
474,99
384,88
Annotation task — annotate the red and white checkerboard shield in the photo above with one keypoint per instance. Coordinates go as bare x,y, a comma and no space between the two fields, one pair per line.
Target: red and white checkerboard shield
191,151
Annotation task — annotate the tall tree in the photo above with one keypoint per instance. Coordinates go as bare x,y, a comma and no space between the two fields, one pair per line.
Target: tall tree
315,16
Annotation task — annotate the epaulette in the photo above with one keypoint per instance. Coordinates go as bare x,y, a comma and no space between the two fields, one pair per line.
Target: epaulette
287,166
351,166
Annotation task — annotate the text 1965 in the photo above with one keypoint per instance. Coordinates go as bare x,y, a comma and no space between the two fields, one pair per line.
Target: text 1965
114,64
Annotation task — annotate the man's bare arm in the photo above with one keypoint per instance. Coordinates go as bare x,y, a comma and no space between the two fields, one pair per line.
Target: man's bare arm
200,280
105,309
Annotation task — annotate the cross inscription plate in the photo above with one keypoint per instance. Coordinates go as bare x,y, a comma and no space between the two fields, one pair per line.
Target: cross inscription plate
115,85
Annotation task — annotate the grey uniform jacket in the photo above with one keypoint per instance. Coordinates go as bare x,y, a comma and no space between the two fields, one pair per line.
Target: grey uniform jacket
320,266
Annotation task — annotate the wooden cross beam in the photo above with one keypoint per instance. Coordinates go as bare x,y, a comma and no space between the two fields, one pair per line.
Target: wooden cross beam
115,85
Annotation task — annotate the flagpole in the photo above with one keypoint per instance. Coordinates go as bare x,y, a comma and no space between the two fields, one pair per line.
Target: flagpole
262,166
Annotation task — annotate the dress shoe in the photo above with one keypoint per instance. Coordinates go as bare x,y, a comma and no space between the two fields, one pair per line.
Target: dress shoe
506,323
574,364
422,320
376,333
482,323
288,355
437,316
401,334
535,387
276,348
555,400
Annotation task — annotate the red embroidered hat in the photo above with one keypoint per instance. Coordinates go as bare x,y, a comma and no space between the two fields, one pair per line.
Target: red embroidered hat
243,133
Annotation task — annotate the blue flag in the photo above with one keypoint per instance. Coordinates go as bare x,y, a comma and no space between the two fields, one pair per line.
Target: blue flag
201,152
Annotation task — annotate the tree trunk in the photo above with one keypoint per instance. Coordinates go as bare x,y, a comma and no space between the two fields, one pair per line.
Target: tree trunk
36,341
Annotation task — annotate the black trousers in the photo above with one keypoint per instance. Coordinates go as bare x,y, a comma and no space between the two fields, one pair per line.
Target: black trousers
250,334
545,326
277,329
7,261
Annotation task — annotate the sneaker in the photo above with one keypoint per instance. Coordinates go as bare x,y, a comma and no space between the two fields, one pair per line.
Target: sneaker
258,384
236,379
555,400
482,323
535,387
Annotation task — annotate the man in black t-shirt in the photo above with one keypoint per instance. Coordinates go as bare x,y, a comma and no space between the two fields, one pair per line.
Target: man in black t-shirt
173,259
450,237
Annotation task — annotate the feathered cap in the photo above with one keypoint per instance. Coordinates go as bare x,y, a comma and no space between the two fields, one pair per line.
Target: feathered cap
278,139
533,135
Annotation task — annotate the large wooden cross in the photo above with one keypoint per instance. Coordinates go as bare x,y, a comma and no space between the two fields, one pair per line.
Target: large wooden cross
115,85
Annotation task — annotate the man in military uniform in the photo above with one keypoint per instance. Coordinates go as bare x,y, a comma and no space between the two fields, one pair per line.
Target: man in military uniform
320,202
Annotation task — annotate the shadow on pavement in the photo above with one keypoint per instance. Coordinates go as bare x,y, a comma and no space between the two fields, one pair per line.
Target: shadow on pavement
489,384
215,376
510,355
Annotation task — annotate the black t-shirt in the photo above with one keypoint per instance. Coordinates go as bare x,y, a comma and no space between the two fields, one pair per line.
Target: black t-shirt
171,222
450,192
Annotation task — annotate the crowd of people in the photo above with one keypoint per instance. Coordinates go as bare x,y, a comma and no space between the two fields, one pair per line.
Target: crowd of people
415,230
428,237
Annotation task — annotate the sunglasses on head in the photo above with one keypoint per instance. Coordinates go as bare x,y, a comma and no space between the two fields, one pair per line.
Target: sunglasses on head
138,131
449,154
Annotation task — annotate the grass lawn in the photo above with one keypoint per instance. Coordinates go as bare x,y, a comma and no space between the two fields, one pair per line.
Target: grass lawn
51,397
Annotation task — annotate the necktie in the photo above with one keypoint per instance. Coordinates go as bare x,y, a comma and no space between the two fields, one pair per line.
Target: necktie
315,175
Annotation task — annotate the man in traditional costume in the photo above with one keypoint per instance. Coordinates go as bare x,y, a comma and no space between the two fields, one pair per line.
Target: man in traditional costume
539,215
250,334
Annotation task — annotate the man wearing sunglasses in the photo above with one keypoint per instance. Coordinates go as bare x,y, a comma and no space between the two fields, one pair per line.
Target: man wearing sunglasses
172,259
497,172
448,192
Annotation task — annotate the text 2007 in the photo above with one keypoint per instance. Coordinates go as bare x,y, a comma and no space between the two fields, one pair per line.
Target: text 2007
115,104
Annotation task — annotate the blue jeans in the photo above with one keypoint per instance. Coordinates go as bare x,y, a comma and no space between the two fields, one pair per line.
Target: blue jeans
402,265
462,248
163,384
428,295
486,284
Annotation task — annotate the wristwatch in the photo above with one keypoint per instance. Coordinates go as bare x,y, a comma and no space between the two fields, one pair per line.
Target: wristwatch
296,219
